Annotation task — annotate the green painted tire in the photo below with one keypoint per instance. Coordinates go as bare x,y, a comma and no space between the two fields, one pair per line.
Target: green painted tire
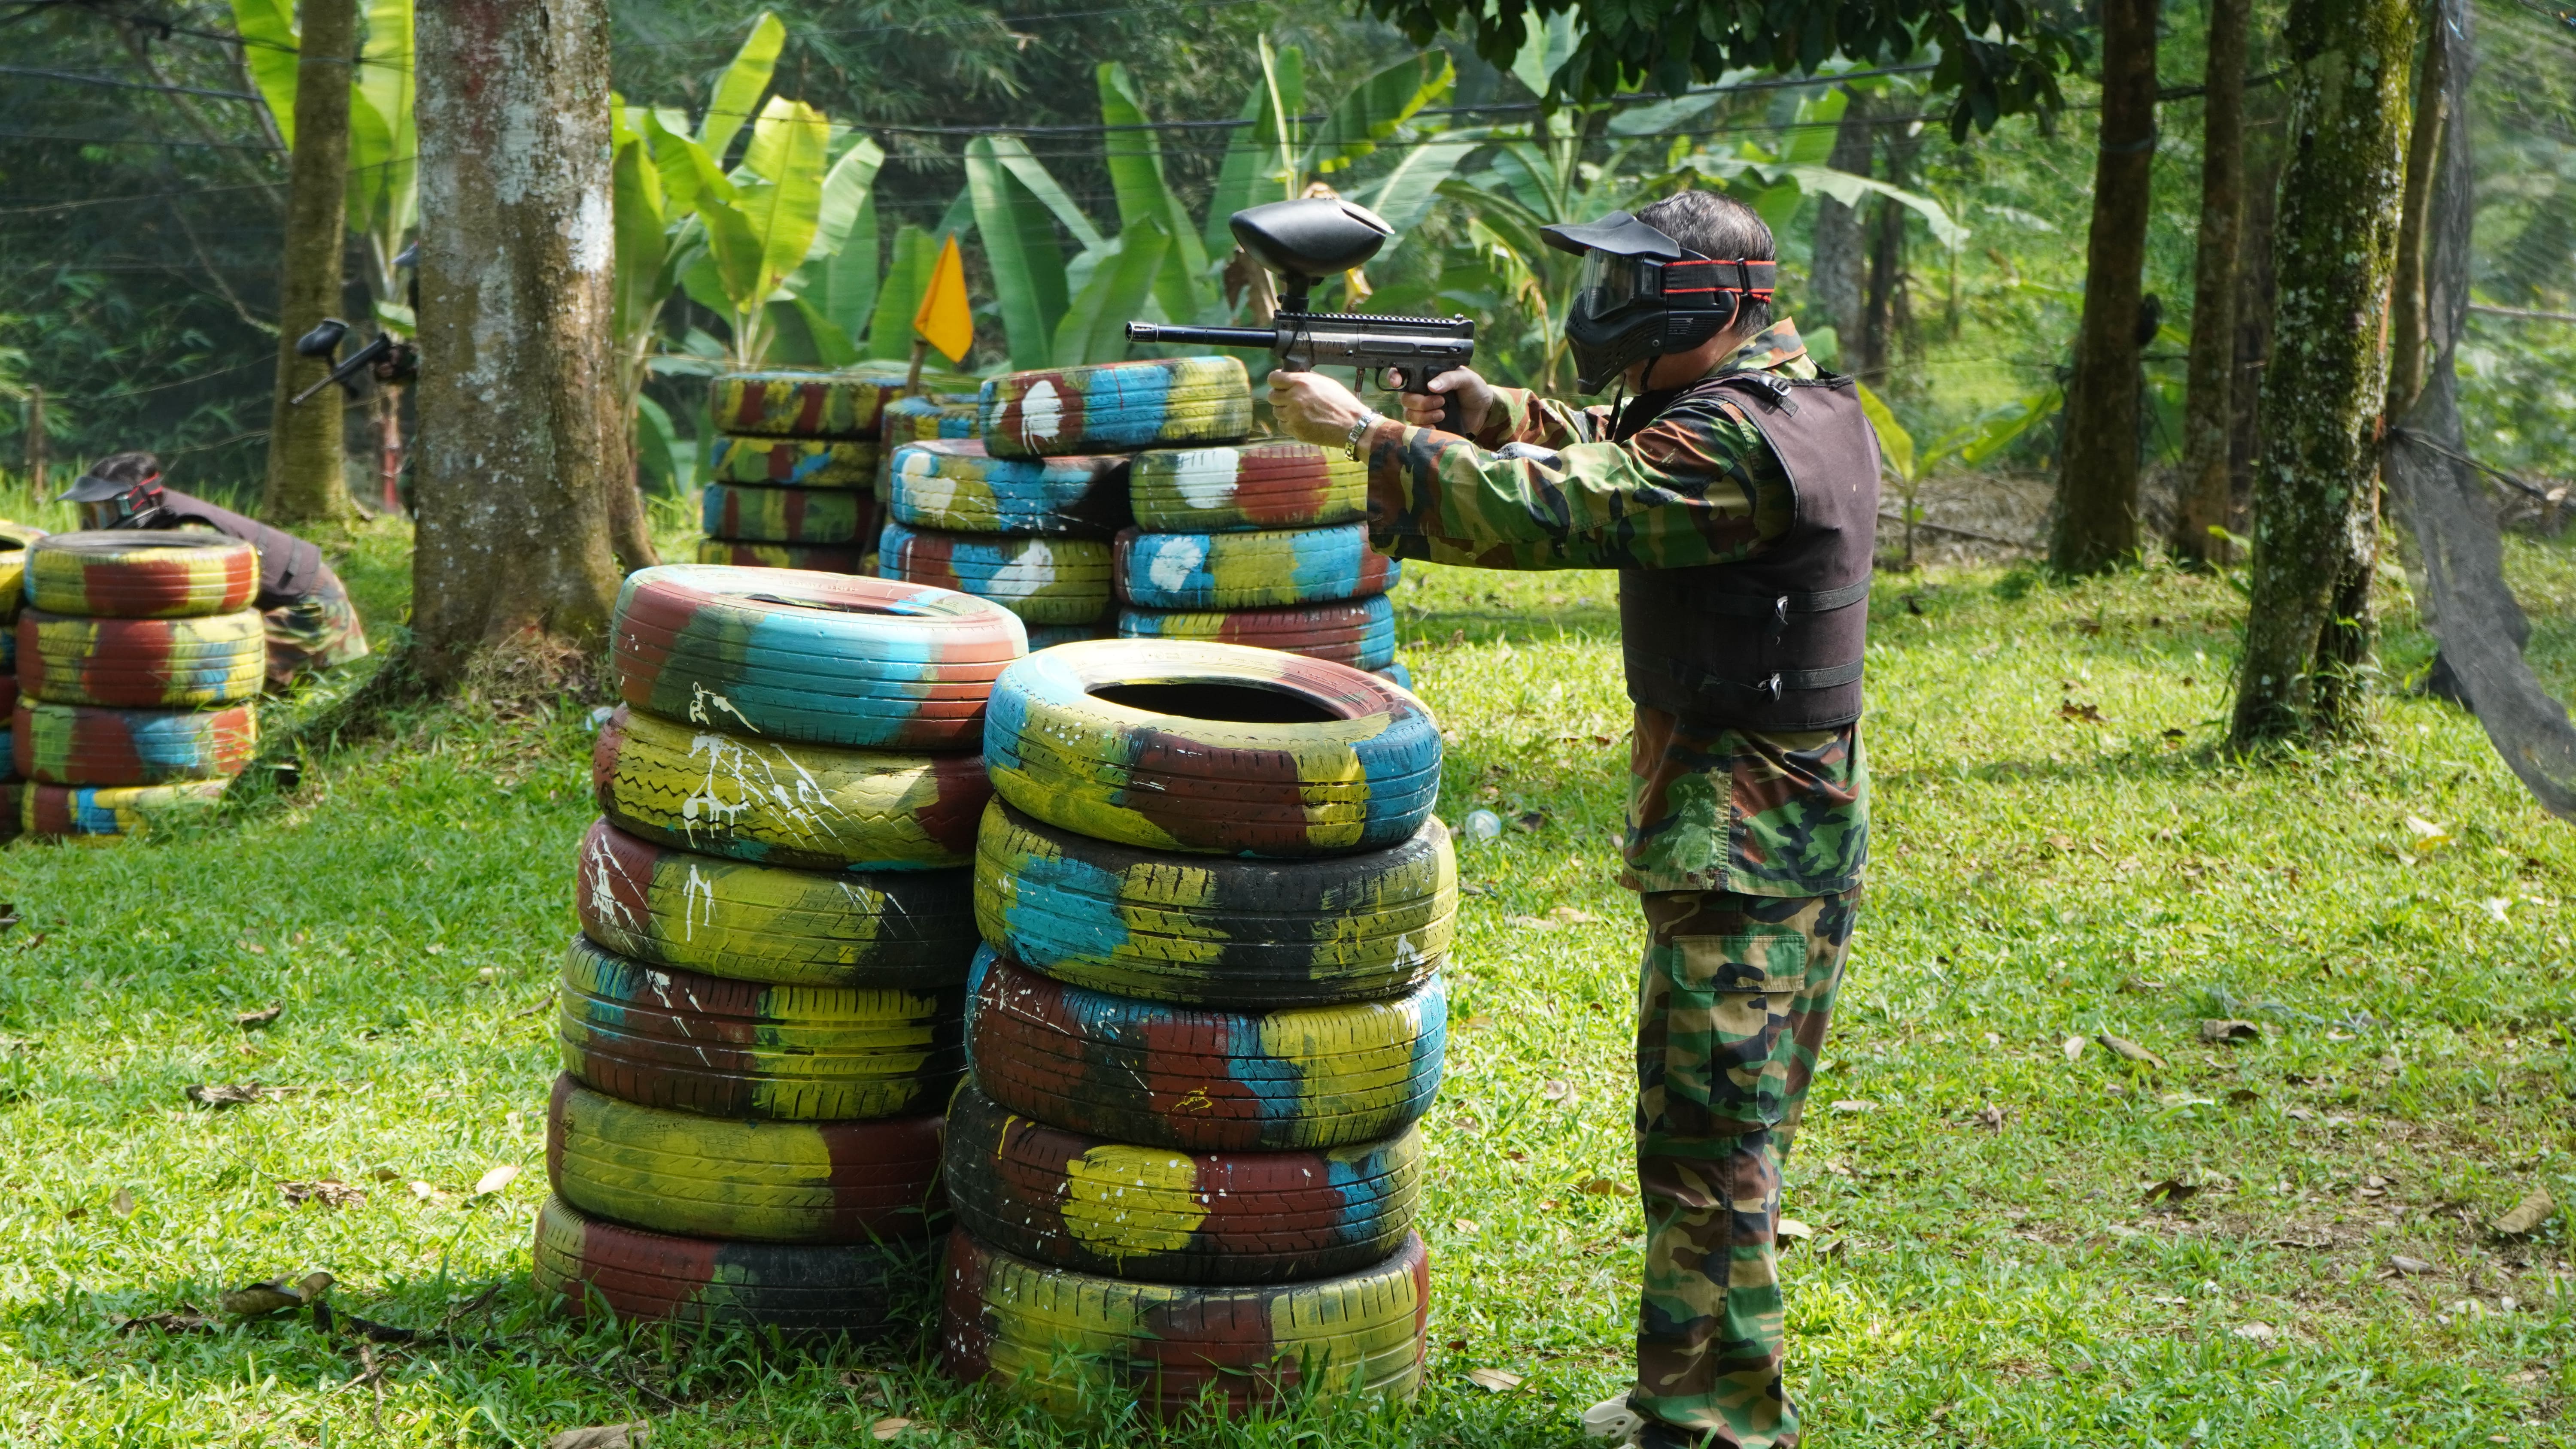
791,462
1042,580
146,574
791,403
1210,930
821,558
588,1266
719,1048
1265,485
764,1182
1356,632
1211,749
912,929
1272,569
212,659
74,744
1117,407
101,813
1078,1344
814,517
958,487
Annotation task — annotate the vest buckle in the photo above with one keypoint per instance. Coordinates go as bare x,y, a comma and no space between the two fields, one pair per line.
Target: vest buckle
1771,686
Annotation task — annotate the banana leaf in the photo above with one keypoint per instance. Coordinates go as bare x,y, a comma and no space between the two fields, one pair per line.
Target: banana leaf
1404,195
916,252
684,166
643,243
1373,110
385,81
1283,75
273,52
1136,173
1239,175
1013,155
738,91
669,461
801,336
1895,444
1019,243
1094,327
1551,44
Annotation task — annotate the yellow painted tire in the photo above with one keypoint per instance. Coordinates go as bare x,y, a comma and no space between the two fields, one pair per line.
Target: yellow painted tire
1161,1215
589,1266
764,1182
791,463
812,806
1211,748
911,929
790,403
212,659
14,539
959,488
131,574
1043,580
692,1043
1270,484
1117,407
1203,1078
87,812
1075,1343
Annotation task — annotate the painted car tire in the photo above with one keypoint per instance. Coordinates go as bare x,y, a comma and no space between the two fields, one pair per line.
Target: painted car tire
690,1043
1357,768
803,404
1160,1215
589,1264
1043,580
143,663
821,558
1266,485
1397,675
1117,407
960,488
50,812
14,539
811,806
811,658
1265,570
826,517
1075,1343
13,808
74,744
1212,930
773,923
141,574
1198,1078
1356,632
767,1182
792,462
927,419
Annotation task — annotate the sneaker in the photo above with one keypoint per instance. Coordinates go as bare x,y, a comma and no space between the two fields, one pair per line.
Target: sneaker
1613,1420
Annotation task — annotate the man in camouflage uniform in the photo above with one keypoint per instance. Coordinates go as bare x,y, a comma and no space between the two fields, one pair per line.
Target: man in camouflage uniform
310,622
1745,839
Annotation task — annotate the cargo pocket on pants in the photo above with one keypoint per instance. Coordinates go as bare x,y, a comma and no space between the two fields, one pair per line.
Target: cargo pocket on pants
1727,1043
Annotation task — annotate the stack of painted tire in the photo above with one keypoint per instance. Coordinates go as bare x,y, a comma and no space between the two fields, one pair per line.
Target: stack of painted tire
761,1017
139,666
792,467
944,417
1214,900
1261,544
1026,517
14,538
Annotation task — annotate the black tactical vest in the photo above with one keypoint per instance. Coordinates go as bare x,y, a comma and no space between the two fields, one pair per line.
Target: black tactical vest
289,567
1772,643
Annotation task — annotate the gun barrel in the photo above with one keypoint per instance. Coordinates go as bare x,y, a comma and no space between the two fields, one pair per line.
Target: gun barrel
1203,336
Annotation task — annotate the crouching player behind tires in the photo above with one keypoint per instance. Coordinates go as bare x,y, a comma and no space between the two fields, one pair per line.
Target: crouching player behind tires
1736,491
311,624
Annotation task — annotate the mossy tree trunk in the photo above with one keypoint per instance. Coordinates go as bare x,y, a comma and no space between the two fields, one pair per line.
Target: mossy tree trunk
1835,276
2209,396
520,441
2315,492
307,461
2096,525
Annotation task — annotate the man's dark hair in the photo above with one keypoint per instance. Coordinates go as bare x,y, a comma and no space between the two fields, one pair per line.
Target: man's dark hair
1721,228
132,468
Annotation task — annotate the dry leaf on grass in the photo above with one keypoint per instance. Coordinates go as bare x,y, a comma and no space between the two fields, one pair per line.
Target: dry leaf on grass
2140,985
2528,1214
1792,1228
2242,1095
1573,917
229,1094
495,1180
888,1428
1555,1089
2171,1191
2255,1332
2408,1267
1855,1104
1530,820
183,1319
1992,1117
255,1300
2428,836
328,1191
1466,1226
1494,1380
603,1436
2130,1051
123,1203
2081,713
2073,1046
262,1017
2229,1029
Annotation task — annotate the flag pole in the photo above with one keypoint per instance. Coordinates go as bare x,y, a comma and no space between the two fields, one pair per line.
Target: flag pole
920,354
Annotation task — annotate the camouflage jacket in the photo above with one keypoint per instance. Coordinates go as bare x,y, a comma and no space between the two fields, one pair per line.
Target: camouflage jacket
1709,809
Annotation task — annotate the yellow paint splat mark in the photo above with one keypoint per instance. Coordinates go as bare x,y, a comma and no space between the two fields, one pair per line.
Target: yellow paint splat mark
1124,1200
1196,1102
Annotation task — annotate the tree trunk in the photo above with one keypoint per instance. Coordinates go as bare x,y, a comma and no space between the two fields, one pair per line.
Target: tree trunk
519,440
2315,519
630,523
307,465
2209,395
1836,273
2256,297
2097,470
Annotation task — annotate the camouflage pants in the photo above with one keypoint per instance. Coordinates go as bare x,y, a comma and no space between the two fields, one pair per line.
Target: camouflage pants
1732,1003
319,630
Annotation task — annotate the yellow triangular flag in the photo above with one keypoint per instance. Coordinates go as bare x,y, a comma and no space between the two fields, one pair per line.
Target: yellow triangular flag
945,321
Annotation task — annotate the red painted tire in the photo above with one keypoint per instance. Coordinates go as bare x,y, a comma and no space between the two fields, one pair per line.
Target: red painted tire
70,744
867,930
589,1265
1356,632
811,517
1156,1214
791,403
722,1048
141,574
815,557
1117,407
94,812
143,663
1043,580
791,463
768,1182
1275,484
811,658
1078,1344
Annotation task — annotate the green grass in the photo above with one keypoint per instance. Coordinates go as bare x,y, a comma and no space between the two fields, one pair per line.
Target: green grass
2036,879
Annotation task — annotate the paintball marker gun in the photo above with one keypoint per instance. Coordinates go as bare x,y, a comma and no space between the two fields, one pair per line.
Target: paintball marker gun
392,359
1305,242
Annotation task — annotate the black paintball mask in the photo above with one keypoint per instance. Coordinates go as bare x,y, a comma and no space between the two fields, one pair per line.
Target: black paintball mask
122,491
1644,294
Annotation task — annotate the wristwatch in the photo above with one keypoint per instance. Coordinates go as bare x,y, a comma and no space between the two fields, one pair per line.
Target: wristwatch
1360,430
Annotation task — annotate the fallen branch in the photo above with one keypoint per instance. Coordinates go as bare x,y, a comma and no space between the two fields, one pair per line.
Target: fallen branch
1952,528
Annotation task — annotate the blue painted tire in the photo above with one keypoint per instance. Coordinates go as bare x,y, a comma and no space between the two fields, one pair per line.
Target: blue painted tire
1117,407
795,656
1042,580
1203,1078
1356,632
958,487
1212,749
1264,570
1274,483
1397,675
1211,930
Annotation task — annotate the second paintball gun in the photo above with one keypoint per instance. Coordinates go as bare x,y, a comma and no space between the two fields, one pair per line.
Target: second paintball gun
1305,242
